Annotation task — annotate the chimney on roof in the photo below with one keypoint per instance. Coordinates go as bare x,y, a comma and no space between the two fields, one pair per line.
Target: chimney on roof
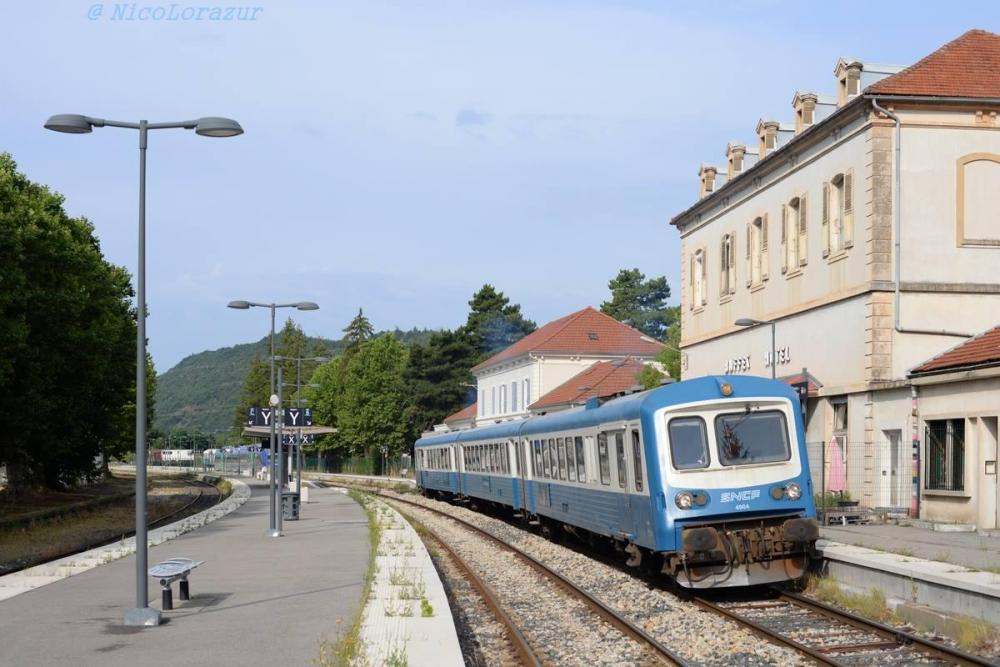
735,156
805,110
707,175
848,74
767,137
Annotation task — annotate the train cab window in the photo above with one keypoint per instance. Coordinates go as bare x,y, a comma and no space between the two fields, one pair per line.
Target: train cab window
570,459
537,472
688,443
581,468
752,437
637,460
620,454
602,456
562,458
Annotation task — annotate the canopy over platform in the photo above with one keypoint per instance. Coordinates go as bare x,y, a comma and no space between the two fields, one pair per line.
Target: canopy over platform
265,431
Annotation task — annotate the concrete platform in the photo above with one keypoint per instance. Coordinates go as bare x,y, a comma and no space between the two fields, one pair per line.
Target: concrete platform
256,600
394,624
956,573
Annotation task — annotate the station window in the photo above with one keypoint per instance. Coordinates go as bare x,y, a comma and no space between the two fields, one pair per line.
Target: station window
581,468
637,460
513,396
602,457
620,453
570,459
945,454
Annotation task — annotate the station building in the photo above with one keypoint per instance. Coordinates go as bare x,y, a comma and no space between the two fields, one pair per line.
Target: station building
867,229
584,354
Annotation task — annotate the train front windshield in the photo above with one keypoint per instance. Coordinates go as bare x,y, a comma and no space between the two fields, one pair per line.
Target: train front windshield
752,437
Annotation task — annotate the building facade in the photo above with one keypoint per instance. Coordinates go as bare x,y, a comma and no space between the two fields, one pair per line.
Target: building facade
867,231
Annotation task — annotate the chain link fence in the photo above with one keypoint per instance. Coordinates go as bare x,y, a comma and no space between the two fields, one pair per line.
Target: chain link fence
859,482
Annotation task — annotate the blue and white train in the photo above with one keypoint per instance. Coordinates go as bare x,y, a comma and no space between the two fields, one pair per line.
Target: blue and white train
706,480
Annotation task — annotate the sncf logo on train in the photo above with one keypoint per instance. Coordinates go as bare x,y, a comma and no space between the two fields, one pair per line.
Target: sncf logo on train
739,496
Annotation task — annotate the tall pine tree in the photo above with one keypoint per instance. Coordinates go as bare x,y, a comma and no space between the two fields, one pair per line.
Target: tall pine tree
358,331
640,303
494,323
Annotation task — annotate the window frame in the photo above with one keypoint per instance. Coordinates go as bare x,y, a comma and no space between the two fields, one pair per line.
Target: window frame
581,459
784,430
620,456
603,459
637,467
950,470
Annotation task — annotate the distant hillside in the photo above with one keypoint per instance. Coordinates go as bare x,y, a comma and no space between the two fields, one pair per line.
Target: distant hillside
201,391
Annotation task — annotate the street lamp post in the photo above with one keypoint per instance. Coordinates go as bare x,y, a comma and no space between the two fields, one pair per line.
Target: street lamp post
273,528
750,322
142,613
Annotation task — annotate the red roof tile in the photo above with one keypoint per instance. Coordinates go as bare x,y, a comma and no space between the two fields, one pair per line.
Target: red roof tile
812,383
977,351
585,332
468,412
968,66
603,379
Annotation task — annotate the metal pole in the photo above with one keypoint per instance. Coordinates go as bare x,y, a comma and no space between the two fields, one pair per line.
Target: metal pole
141,582
774,355
273,525
298,450
281,458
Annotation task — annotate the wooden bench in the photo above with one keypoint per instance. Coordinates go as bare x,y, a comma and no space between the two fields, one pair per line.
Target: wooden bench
169,571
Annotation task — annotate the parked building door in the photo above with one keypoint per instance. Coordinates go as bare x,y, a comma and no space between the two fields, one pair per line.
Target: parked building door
989,513
895,470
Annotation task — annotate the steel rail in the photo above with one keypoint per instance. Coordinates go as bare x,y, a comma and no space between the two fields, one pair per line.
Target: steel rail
901,637
602,610
514,635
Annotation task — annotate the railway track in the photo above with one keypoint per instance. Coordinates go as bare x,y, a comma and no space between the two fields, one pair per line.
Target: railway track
521,644
208,495
821,633
831,636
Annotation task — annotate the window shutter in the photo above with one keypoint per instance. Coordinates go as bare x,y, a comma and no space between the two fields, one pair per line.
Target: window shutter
723,266
704,275
749,265
803,231
825,231
849,209
763,248
784,239
732,263
691,284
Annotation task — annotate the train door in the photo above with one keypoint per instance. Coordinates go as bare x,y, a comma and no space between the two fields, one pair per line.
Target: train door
521,456
626,521
640,503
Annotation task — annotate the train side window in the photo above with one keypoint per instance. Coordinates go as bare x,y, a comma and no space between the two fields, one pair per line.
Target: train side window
553,459
581,468
637,460
602,455
546,460
620,454
570,459
688,443
494,455
537,445
561,445
504,463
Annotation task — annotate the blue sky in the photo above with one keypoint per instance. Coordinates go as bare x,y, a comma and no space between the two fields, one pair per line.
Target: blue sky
399,154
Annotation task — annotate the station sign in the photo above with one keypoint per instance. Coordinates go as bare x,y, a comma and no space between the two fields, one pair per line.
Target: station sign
295,439
258,416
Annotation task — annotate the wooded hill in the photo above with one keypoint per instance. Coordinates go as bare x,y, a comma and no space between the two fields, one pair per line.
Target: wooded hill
200,392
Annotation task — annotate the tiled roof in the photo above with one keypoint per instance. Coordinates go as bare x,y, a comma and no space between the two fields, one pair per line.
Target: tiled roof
468,412
603,379
585,332
977,351
968,66
813,383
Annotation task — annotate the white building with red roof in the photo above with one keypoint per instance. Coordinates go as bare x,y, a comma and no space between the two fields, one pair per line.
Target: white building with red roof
866,230
511,381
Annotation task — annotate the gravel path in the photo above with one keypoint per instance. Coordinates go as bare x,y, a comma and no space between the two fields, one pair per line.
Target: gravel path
701,637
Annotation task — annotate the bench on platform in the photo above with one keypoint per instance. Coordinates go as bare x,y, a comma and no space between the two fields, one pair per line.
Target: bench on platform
169,571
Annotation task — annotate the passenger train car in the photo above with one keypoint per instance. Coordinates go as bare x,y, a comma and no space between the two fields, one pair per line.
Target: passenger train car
706,480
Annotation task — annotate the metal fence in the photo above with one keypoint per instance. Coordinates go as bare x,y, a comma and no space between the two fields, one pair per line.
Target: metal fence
391,466
860,482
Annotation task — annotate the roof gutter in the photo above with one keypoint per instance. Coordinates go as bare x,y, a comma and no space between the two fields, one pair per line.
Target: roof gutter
897,241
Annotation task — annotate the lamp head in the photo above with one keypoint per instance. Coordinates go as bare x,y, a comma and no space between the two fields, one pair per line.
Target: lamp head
69,123
307,305
746,322
213,126
239,305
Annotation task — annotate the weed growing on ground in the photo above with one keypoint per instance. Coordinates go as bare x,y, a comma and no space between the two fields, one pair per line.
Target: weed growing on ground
870,605
426,610
973,634
943,556
397,657
414,592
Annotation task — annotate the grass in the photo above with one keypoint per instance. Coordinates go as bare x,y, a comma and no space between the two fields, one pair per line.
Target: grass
426,610
974,634
870,605
345,650
397,657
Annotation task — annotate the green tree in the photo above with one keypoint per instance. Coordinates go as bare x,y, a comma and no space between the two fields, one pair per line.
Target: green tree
256,389
670,356
437,378
326,399
373,399
494,323
359,330
640,303
67,340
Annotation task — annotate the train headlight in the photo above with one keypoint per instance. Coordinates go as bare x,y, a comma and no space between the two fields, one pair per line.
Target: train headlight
793,491
684,500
